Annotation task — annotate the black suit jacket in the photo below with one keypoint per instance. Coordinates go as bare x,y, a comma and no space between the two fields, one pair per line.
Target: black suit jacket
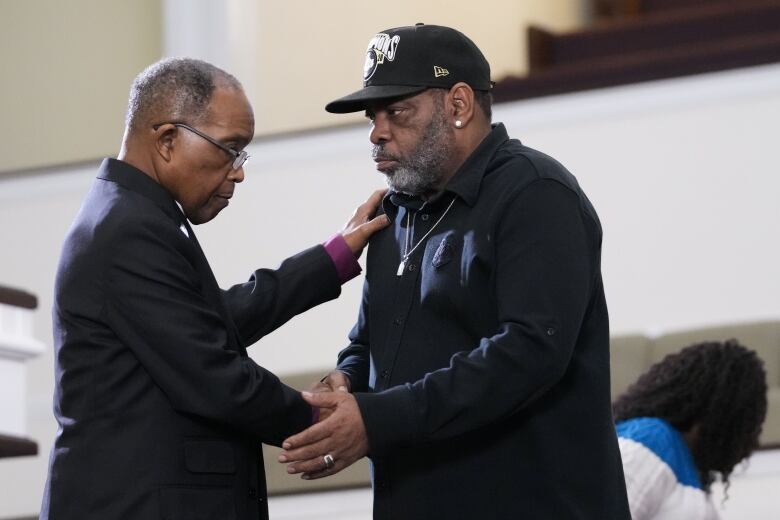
161,412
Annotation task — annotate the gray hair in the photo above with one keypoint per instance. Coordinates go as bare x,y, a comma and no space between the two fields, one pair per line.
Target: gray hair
174,90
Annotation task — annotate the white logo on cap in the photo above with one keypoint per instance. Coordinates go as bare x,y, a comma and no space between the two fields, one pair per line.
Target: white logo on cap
440,71
381,47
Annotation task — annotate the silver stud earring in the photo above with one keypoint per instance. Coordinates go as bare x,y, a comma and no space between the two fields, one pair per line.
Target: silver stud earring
458,123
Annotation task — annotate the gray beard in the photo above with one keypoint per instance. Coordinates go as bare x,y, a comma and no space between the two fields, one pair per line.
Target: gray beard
422,171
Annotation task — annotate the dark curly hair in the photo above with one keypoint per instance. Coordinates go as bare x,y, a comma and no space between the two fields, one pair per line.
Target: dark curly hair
718,387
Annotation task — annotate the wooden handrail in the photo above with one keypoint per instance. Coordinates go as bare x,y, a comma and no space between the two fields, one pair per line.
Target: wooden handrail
656,39
16,447
18,298
688,28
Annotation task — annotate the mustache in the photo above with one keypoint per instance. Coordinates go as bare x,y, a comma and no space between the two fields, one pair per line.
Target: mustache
378,152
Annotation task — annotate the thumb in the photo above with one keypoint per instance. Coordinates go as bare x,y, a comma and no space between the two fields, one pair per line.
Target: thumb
321,399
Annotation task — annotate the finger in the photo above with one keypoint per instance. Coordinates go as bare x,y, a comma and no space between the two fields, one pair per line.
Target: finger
369,207
322,399
319,387
375,224
376,198
305,454
312,465
340,463
310,435
326,472
338,380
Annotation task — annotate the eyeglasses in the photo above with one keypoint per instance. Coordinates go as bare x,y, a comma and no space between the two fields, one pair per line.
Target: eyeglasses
239,158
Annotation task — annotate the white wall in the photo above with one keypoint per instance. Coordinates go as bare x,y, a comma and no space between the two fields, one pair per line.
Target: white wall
685,177
681,172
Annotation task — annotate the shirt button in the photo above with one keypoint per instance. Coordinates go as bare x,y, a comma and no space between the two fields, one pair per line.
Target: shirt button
411,267
550,331
252,493
385,373
424,216
398,321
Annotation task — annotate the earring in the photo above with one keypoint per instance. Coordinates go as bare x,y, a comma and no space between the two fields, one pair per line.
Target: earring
458,123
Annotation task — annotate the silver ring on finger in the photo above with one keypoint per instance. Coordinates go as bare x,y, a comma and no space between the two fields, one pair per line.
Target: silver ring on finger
328,461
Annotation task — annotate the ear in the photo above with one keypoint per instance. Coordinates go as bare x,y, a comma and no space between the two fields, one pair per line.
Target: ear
461,102
165,140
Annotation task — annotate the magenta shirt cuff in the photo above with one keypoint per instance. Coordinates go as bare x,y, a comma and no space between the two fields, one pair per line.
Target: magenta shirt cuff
343,258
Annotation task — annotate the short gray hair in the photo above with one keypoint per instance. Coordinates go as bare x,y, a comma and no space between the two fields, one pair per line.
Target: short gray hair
174,89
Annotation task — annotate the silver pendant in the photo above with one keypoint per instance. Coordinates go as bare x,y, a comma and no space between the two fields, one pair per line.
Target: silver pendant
401,268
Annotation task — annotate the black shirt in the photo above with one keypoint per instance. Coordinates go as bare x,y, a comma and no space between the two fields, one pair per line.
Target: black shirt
482,371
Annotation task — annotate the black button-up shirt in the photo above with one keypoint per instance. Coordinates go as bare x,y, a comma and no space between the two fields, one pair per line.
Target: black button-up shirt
482,370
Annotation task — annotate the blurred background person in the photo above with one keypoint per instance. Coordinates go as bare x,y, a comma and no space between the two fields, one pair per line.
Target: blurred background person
686,422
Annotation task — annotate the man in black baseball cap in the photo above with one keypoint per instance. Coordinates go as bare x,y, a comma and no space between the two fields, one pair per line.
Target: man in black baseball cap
477,375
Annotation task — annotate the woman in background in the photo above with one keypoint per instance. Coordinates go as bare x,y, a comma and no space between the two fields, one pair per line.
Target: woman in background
687,420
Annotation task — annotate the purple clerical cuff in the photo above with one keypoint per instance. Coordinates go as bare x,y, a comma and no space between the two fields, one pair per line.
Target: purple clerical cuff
343,258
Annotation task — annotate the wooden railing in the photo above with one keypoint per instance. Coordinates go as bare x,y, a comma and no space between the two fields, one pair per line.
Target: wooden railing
18,298
16,446
642,40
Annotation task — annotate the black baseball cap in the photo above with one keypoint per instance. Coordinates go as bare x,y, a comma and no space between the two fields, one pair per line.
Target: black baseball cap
406,60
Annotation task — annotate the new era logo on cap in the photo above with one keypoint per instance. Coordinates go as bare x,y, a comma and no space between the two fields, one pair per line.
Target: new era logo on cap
440,71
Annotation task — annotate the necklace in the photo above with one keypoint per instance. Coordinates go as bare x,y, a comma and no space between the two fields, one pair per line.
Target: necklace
407,241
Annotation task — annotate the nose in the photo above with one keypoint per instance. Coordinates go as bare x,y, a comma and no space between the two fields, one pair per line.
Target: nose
236,175
380,129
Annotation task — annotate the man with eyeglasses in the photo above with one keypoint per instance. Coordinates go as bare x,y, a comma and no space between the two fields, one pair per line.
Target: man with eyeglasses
161,412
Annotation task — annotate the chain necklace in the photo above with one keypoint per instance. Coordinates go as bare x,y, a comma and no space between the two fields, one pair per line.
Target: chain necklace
407,241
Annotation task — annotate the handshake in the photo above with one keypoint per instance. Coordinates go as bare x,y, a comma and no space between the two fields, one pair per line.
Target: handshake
338,438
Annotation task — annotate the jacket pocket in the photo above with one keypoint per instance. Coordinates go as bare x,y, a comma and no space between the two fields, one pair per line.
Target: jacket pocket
197,503
207,456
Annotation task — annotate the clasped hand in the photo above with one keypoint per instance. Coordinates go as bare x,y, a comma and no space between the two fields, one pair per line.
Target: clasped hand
340,434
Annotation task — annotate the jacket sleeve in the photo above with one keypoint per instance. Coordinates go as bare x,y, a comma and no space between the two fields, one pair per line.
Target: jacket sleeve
155,307
546,270
270,297
354,360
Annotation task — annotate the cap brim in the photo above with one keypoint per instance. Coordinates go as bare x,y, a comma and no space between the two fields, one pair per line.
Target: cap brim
357,101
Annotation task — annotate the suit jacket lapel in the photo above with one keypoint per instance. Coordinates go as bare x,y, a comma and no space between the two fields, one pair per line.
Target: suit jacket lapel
212,291
135,180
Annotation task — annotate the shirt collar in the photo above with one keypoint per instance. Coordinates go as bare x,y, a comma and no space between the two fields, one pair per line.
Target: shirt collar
135,180
466,181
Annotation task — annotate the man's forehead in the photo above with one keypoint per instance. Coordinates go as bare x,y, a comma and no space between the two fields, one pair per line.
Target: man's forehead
230,107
